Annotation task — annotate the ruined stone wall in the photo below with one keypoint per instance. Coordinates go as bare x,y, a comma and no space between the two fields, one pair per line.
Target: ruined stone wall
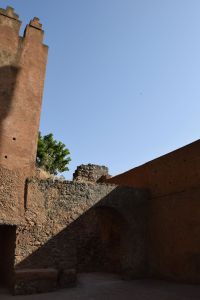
22,71
90,173
12,187
81,227
12,196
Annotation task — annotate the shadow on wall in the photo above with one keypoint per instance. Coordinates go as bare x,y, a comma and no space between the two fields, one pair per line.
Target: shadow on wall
106,238
8,78
92,243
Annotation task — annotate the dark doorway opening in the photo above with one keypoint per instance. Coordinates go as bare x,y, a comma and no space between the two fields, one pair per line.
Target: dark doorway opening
7,254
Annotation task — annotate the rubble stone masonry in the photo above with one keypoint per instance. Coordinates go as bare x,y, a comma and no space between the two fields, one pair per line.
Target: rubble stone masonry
91,173
79,227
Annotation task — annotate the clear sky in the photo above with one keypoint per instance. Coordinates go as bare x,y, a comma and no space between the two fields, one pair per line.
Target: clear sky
123,77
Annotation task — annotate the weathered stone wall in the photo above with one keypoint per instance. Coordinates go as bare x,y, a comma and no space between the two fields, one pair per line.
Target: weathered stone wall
22,71
12,200
91,173
69,227
12,188
82,227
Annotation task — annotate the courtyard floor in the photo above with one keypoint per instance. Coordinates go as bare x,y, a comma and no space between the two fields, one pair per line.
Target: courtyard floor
109,287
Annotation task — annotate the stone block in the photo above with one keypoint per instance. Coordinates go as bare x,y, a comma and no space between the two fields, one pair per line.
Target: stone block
30,281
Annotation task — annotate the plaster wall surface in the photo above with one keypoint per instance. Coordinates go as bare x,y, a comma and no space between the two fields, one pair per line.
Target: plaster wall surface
171,173
22,71
174,236
174,212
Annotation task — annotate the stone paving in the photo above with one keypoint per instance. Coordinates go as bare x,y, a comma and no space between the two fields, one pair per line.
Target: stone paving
110,287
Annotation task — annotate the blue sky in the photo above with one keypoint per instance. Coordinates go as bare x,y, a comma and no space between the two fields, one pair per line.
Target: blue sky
123,77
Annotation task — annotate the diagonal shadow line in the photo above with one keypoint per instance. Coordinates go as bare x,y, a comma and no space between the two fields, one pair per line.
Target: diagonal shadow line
97,241
81,244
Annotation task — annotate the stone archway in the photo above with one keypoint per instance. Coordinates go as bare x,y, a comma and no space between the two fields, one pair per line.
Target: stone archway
101,240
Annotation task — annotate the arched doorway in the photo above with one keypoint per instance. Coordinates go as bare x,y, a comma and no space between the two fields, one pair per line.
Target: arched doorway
101,239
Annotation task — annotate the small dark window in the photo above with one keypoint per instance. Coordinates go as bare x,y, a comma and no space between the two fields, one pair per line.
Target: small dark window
6,156
14,139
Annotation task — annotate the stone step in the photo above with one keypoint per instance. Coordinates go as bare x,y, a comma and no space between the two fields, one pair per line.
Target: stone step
31,281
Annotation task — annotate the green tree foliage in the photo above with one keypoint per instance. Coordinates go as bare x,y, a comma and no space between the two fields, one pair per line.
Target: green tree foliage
52,156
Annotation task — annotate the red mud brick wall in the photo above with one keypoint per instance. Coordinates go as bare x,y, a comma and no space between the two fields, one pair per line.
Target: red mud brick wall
174,213
22,71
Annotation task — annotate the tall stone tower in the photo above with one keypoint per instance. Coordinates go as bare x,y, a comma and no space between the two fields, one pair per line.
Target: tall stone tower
22,71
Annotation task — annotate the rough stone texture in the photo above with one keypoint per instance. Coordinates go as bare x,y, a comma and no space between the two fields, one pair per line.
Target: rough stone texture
12,185
12,204
22,71
91,173
83,226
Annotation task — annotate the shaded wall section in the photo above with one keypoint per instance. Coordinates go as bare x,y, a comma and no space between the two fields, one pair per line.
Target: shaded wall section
174,212
104,243
81,227
174,236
